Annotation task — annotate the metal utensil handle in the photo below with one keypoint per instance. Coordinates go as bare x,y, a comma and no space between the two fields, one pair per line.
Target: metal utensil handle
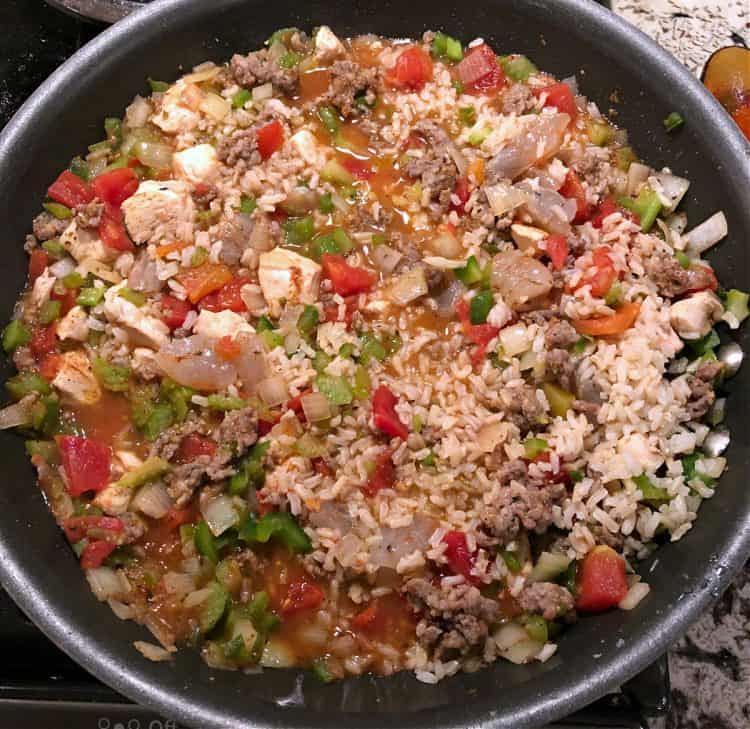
106,11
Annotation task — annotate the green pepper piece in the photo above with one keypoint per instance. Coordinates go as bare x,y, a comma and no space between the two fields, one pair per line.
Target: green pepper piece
142,401
576,475
309,446
599,132
346,350
157,86
45,415
705,344
160,418
372,348
49,311
683,259
134,297
467,115
480,306
178,397
248,204
560,400
517,68
264,324
240,98
24,383
429,461
213,607
205,543
91,296
736,303
151,469
15,335
298,230
336,389
279,525
112,377
690,472
330,118
308,320
536,627
54,247
320,361
320,671
59,211
362,385
649,491
613,297
469,274
272,339
511,561
624,157
646,206
199,257
478,136
113,130
80,169
534,447
673,121
73,280
342,240
45,449
224,403
325,204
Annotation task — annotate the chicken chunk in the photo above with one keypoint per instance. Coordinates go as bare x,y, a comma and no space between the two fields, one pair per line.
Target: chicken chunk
288,276
74,325
160,211
197,164
114,499
84,245
75,379
176,113
143,329
693,317
215,325
42,288
327,45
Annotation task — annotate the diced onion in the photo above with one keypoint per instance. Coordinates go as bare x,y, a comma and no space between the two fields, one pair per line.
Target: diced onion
104,582
277,654
264,91
408,287
273,391
153,154
514,340
523,651
121,610
178,583
197,597
151,651
508,635
503,197
446,244
548,566
315,406
219,514
137,114
252,297
708,233
635,594
712,467
62,267
153,500
637,174
677,222
671,188
386,258
16,414
204,72
215,106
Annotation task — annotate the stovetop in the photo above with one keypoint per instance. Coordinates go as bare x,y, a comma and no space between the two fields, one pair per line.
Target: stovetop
40,687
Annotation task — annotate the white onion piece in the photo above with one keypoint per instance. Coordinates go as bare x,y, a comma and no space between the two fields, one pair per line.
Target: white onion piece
215,106
153,500
671,189
121,610
446,244
178,583
677,222
62,267
151,651
712,467
386,258
137,114
16,414
637,174
514,340
153,154
402,541
264,91
252,297
219,514
503,197
315,406
508,635
278,654
707,234
203,72
523,651
197,597
635,594
273,391
408,286
104,582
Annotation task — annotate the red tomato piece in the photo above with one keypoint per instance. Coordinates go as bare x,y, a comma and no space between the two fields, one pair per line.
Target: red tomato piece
573,190
479,71
601,582
70,190
559,475
331,311
50,366
560,96
301,596
557,250
460,559
177,517
320,466
606,208
384,413
269,138
67,299
295,404
462,192
265,426
602,273
95,553
112,229
701,278
227,297
479,334
78,527
44,341
38,261
384,475
357,167
86,463
365,619
347,280
193,445
412,71
174,311
204,280
115,186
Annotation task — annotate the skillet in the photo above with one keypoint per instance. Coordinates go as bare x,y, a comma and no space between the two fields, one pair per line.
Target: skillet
565,37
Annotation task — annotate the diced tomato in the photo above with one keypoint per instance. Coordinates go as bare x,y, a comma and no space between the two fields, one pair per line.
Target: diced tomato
601,275
228,296
204,280
269,138
606,208
361,170
366,618
38,261
295,404
479,71
43,341
86,463
604,326
194,445
70,190
573,190
701,278
115,186
78,527
331,310
601,582
227,348
412,71
177,517
112,230
559,475
557,250
174,311
321,467
300,597
265,426
50,366
479,334
347,280
67,299
460,559
94,553
384,413
383,476
462,192
560,96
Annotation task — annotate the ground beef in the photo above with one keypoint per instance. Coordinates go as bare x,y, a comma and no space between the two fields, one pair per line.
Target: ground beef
522,407
589,409
46,226
561,366
240,428
546,599
516,99
702,393
89,215
560,334
240,145
23,359
183,479
234,233
349,80
540,317
524,503
435,167
134,528
259,68
168,443
670,277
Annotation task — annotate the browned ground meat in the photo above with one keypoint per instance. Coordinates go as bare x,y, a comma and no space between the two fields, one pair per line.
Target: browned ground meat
561,366
560,334
182,480
168,443
134,529
258,68
522,407
702,393
47,226
241,145
589,409
90,214
516,99
435,167
240,428
23,359
349,81
523,503
546,599
670,277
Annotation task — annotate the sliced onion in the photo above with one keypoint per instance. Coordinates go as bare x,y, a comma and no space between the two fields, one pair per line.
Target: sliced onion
386,258
104,582
514,340
315,406
204,72
215,106
446,244
264,91
153,500
637,174
408,286
137,114
178,583
121,610
17,414
219,514
677,222
273,391
707,234
153,154
197,597
278,654
635,594
503,197
508,635
673,189
151,651
523,651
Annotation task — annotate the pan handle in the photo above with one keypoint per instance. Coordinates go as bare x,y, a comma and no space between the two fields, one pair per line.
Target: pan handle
105,11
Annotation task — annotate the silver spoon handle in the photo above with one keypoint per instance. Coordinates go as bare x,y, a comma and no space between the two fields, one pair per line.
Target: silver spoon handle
106,11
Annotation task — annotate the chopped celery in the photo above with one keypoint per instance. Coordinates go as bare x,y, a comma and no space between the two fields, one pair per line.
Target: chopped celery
225,402
736,303
416,423
264,324
80,169
178,397
683,259
159,419
325,203
134,297
342,240
309,446
646,206
613,297
536,627
205,543
429,461
54,247
469,274
308,320
15,335
534,447
320,361
213,607
61,212
73,280
599,132
673,121
247,204
576,475
446,48
478,136
298,230
151,469
24,383
142,400
511,561
272,339
113,130
649,491
321,672
480,306
289,60
200,256
372,348
330,118
112,377
458,85
580,346
241,98
45,449
624,157
49,311
560,400
282,35
518,68
362,386
91,296
336,389
346,350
